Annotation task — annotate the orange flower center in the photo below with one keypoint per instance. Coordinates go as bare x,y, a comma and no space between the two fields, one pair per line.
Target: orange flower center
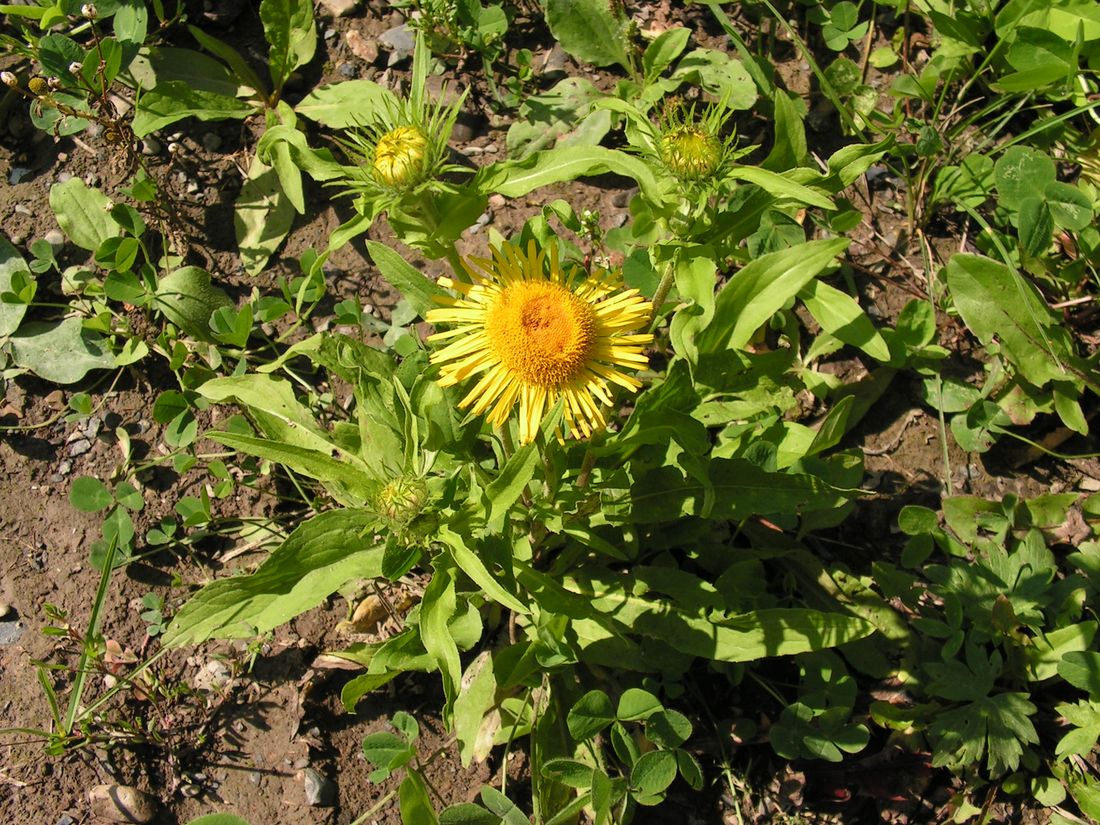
541,331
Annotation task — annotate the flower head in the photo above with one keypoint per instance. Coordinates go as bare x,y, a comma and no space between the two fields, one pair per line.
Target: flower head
399,156
691,147
534,337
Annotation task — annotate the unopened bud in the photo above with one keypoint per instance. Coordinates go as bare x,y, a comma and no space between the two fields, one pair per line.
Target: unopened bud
9,79
399,156
89,10
75,67
54,83
38,86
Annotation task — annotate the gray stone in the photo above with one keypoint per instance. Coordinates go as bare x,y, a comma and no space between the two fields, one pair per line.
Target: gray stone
56,239
18,173
79,447
62,177
64,468
320,791
337,8
346,70
10,632
150,146
65,819
122,803
621,200
399,41
553,65
5,609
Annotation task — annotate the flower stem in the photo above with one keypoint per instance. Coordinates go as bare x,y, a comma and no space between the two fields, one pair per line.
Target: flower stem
661,294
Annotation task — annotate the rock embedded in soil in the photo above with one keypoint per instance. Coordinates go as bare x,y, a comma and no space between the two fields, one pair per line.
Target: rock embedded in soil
337,8
11,632
5,610
399,42
122,803
320,791
150,146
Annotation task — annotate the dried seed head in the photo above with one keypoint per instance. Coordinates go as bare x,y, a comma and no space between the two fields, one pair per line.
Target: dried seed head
9,79
38,86
54,83
89,11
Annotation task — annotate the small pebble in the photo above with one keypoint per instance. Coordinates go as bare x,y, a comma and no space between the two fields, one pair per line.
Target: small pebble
173,147
79,447
189,790
65,819
346,70
122,803
17,240
64,467
5,609
92,179
192,187
18,173
330,33
320,792
10,632
62,157
56,239
150,146
62,177
23,209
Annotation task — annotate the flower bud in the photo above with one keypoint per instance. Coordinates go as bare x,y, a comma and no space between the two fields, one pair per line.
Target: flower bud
9,79
54,83
402,499
75,67
690,152
89,11
399,156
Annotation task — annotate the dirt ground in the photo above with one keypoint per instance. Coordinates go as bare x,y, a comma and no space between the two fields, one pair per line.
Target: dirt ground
254,730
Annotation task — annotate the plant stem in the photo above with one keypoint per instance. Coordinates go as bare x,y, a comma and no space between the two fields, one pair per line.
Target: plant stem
663,288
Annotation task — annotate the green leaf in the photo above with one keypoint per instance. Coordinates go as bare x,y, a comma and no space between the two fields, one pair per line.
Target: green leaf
1036,226
90,495
61,352
11,263
594,31
83,213
473,566
174,100
467,813
589,715
1022,172
262,217
636,704
1070,207
420,291
231,57
665,48
1047,652
841,316
349,103
187,298
1000,306
997,727
292,33
1082,670
319,557
414,802
436,609
388,750
667,728
760,289
568,772
780,187
654,772
515,179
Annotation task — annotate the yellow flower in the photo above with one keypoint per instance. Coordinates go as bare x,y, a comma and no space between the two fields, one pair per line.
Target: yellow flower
399,156
534,337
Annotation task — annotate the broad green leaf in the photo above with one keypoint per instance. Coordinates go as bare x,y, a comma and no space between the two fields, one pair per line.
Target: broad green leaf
654,772
841,315
1000,306
83,213
1070,207
290,29
11,262
187,298
262,217
591,30
62,352
636,704
420,291
790,135
561,116
695,271
1082,670
319,557
436,609
760,289
472,565
589,715
174,100
467,813
780,187
1022,172
197,70
90,495
413,800
505,490
665,48
345,481
514,179
349,103
1048,650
